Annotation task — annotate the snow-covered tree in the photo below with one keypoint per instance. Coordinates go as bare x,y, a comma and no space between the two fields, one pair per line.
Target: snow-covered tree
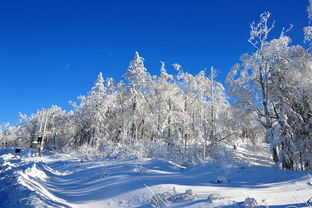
91,114
138,78
249,81
274,83
308,29
291,84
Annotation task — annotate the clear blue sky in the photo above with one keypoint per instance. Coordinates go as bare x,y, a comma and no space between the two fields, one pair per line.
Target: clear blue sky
51,51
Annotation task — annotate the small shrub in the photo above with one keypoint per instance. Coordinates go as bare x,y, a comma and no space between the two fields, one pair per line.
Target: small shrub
250,202
221,179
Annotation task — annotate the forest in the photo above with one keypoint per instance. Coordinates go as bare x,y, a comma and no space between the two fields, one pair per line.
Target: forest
266,97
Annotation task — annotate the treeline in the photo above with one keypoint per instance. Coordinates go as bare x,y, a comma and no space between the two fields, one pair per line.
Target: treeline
179,111
271,99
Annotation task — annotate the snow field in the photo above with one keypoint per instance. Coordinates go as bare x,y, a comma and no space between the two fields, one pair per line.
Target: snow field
61,180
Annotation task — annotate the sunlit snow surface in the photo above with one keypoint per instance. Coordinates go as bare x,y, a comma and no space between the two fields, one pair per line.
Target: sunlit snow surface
60,180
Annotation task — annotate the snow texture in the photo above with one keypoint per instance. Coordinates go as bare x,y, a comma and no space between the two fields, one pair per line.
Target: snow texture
61,180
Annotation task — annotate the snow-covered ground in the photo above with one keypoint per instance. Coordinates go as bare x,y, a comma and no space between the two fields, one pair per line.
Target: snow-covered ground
61,180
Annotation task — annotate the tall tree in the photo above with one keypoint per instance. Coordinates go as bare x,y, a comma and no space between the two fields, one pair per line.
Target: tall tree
249,81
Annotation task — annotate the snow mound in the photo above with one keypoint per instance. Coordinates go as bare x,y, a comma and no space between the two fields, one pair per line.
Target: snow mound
139,170
213,197
8,156
33,171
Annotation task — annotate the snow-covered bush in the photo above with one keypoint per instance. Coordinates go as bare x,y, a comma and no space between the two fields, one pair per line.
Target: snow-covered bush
87,152
187,195
221,179
250,202
164,199
188,158
160,200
